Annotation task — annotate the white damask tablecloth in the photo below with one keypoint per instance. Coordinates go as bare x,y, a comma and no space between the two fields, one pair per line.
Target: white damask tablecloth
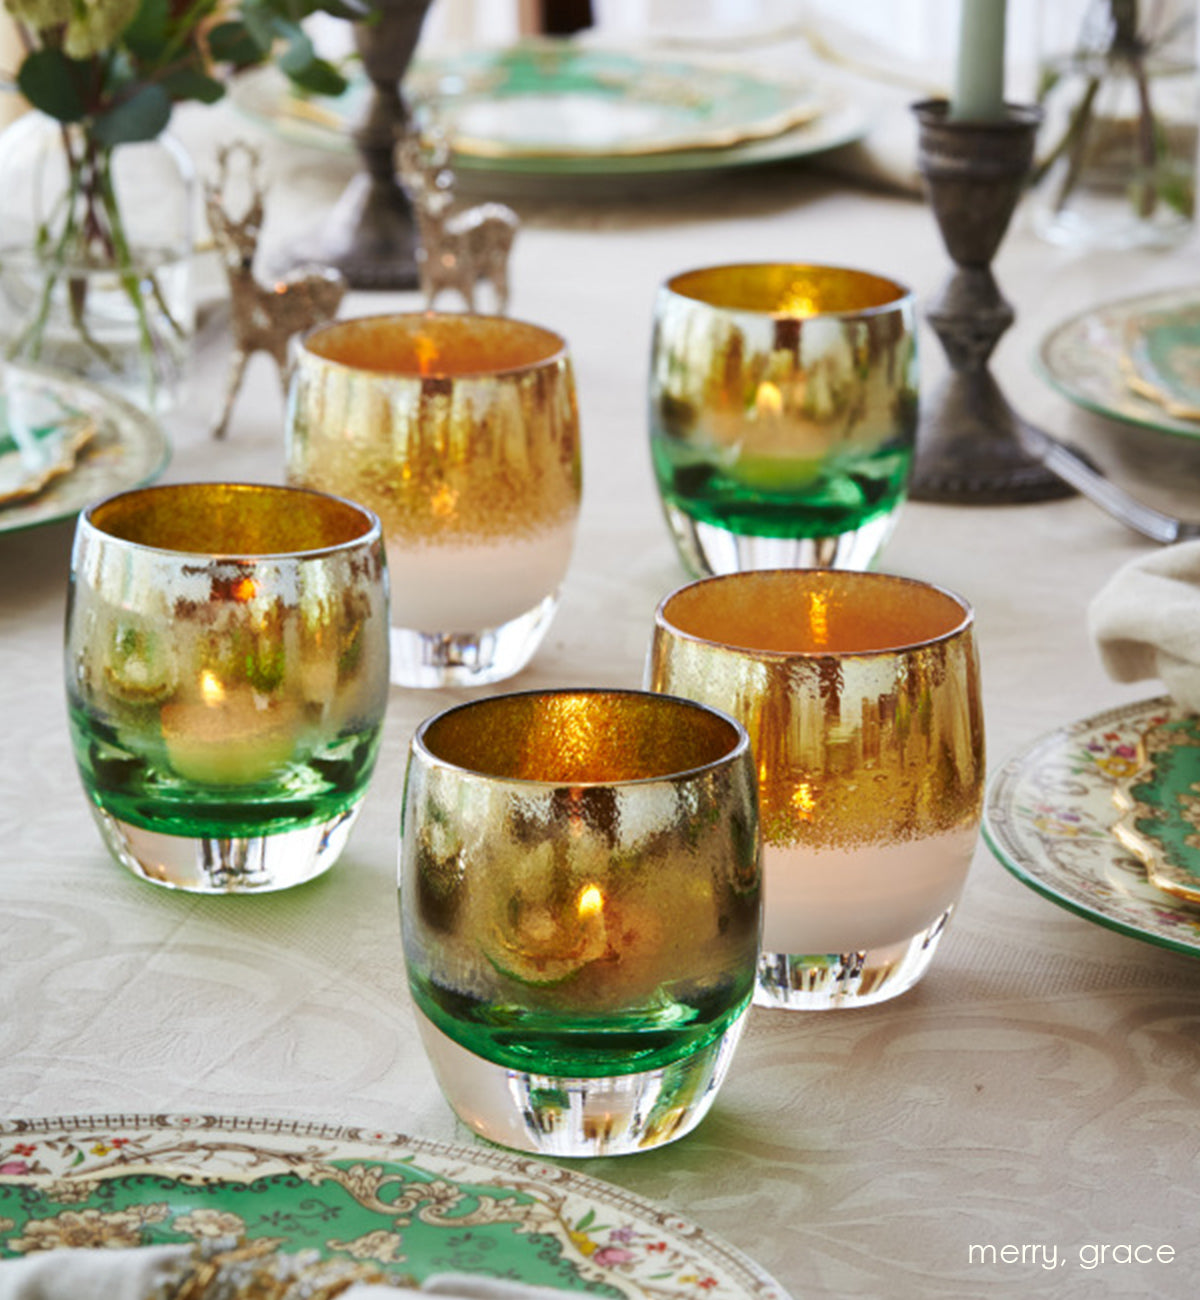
1040,1086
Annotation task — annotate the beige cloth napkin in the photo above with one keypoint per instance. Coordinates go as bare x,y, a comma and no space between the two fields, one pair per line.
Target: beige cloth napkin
93,1274
156,1272
1146,622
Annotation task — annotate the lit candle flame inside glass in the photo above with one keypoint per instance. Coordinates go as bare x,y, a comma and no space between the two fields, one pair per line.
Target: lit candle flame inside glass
444,501
818,617
211,690
797,301
768,400
804,801
591,901
245,590
427,351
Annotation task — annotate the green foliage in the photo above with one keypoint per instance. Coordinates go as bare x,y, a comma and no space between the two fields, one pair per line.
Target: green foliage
142,115
51,82
120,66
232,43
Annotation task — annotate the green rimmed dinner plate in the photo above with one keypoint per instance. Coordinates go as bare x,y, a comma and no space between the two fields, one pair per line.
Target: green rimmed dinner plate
551,112
1050,817
1110,359
126,447
551,100
414,1207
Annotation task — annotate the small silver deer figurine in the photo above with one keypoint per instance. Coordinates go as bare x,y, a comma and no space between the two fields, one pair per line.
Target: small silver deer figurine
263,316
457,249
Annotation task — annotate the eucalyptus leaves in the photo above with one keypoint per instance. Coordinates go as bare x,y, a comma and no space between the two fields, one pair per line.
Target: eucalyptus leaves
119,66
80,289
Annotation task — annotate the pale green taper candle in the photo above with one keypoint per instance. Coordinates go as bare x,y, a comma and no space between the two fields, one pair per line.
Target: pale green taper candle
979,73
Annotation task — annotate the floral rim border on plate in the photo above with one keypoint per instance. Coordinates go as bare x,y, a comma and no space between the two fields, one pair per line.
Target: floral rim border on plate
1049,816
476,1209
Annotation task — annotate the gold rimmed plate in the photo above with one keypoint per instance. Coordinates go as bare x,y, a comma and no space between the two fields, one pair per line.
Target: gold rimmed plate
1050,817
413,1207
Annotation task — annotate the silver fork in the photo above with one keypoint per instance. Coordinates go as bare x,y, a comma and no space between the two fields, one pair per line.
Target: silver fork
1074,468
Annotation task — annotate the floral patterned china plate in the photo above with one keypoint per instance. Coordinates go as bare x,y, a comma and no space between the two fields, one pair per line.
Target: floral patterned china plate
1050,818
1160,805
412,1207
81,442
1122,360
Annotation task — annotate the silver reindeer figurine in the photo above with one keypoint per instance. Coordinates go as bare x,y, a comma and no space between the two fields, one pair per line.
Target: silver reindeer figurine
263,316
457,249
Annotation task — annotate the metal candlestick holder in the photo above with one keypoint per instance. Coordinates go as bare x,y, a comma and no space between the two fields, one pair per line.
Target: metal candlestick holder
969,444
371,236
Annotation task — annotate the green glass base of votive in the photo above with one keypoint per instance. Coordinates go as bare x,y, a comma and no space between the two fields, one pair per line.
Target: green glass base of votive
827,982
256,864
707,549
550,1115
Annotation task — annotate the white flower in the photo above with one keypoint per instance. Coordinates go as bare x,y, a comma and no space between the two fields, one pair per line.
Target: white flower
91,25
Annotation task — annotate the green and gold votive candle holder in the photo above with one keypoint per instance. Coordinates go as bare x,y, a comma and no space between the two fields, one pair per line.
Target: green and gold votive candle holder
783,414
580,901
226,675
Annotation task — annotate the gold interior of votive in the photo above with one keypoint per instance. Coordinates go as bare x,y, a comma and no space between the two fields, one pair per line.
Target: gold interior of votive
801,611
581,737
434,346
231,519
788,290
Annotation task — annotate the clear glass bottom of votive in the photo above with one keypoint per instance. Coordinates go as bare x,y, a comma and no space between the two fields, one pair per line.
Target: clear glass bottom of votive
554,1116
708,549
256,864
433,659
812,982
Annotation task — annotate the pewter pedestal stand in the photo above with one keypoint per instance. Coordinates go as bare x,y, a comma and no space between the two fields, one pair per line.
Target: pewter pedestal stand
969,446
371,234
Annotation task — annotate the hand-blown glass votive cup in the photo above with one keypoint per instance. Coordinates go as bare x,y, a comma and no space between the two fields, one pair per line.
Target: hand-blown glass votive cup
861,695
783,414
226,672
462,433
580,900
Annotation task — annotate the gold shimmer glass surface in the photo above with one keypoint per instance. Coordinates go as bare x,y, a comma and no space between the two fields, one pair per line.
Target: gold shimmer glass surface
580,894
783,409
861,696
462,433
226,673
